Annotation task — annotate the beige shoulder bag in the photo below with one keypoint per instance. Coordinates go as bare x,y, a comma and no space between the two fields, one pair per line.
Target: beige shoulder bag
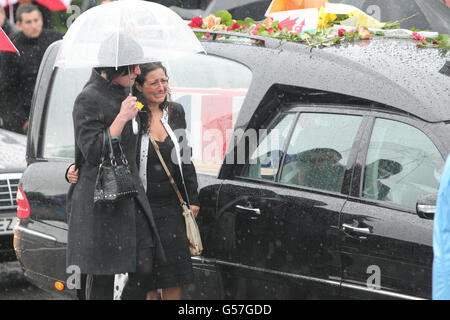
192,231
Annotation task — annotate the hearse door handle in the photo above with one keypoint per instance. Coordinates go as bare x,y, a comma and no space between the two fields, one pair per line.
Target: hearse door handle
255,212
351,228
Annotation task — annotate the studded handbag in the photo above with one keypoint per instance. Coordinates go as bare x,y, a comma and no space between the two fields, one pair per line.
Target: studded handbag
114,181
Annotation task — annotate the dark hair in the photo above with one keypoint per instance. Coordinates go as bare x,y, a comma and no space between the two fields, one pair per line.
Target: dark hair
144,117
112,72
26,8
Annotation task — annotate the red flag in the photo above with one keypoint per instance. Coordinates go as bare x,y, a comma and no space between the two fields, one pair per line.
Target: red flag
5,43
55,5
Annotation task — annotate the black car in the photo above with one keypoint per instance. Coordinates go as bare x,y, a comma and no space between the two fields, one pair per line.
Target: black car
310,163
12,165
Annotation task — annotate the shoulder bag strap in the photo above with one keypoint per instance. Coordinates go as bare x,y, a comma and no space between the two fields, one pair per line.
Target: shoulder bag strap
167,170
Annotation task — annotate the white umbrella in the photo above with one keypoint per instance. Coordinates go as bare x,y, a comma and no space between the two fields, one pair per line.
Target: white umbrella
161,33
100,37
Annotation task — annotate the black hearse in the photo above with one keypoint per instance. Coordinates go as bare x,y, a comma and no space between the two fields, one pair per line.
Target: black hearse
313,192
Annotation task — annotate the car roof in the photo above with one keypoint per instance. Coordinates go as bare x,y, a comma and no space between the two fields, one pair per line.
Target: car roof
391,72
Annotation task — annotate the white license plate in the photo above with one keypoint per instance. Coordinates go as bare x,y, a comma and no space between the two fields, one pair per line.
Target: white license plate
7,225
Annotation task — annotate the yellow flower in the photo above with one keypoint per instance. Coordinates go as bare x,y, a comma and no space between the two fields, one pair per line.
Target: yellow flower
139,105
324,18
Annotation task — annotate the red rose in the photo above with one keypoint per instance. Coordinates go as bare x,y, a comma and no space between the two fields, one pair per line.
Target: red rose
341,32
235,26
418,37
196,22
436,42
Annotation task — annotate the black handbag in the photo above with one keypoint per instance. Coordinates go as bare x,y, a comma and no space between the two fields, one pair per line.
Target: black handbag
114,180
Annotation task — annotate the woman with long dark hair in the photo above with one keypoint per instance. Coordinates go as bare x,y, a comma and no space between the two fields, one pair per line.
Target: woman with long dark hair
165,121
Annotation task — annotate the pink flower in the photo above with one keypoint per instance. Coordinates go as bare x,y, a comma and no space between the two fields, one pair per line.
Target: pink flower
341,32
363,33
418,37
211,21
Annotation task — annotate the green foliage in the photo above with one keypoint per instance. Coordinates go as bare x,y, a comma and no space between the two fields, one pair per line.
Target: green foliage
225,17
60,18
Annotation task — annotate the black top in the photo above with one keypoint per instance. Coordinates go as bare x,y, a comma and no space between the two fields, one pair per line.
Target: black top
177,122
159,189
18,73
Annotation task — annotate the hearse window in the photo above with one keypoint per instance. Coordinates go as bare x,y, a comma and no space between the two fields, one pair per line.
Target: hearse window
265,160
402,164
211,90
58,140
319,149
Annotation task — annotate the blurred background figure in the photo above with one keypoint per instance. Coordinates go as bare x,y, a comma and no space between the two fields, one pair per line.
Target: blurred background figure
46,13
18,73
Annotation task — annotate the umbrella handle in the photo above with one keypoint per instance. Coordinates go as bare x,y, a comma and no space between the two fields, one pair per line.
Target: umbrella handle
133,121
135,125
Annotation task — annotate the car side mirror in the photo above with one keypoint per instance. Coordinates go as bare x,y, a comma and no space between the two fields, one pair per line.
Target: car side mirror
426,206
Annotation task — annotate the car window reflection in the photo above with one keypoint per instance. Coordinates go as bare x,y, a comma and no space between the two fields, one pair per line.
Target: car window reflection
319,149
402,164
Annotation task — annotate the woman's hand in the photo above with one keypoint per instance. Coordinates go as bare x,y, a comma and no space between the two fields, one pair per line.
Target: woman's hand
195,210
128,110
72,174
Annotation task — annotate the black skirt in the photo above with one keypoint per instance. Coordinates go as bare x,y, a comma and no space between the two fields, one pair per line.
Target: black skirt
169,220
177,271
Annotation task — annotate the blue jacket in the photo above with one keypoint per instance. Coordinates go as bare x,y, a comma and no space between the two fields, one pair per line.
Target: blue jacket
441,239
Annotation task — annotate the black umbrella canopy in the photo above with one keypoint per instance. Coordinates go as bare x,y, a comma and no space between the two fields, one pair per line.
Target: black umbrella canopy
431,14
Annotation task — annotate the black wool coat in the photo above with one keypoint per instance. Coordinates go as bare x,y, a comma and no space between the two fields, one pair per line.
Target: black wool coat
102,238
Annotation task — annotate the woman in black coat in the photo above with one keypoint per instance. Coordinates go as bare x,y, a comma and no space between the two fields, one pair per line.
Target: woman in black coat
166,122
102,239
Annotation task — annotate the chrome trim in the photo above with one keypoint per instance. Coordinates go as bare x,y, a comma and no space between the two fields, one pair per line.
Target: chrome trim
252,210
426,208
336,282
279,273
356,229
34,233
7,177
381,292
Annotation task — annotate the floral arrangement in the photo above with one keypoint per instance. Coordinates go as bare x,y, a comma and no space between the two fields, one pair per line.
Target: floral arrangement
328,29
